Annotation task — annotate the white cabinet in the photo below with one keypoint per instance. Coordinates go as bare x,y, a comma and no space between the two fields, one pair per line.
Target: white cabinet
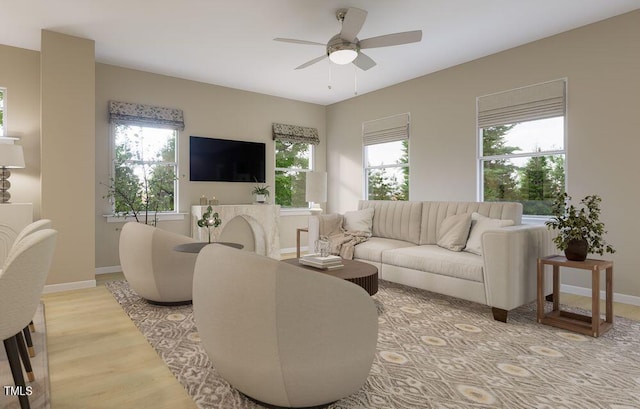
13,218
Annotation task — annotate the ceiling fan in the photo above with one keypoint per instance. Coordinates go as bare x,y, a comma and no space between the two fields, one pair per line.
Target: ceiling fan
344,47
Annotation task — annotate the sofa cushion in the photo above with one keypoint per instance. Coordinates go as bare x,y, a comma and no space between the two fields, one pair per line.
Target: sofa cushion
454,232
395,219
435,259
479,225
371,250
359,220
329,224
433,213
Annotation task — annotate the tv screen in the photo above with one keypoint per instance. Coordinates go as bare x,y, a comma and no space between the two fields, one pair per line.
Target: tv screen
224,160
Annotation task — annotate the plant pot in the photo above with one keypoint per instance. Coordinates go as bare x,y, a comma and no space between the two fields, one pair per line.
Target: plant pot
576,250
261,198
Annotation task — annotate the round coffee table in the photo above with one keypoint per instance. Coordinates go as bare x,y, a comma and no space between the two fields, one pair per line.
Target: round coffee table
363,274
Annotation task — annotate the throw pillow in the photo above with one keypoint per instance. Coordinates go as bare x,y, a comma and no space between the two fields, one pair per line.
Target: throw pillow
330,224
454,231
480,224
359,220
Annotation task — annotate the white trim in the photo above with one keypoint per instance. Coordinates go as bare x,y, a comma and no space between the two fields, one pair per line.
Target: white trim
586,292
108,269
293,249
161,217
300,211
75,285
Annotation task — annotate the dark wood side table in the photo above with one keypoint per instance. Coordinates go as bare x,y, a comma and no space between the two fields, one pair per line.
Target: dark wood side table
298,231
197,246
590,325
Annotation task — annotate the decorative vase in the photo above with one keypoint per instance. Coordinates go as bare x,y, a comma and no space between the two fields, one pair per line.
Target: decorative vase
576,250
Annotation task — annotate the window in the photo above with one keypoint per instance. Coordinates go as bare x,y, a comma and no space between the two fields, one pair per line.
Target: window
386,158
145,164
145,167
3,92
522,146
293,161
294,158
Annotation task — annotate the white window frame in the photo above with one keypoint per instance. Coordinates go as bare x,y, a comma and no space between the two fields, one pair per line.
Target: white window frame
295,211
161,215
392,128
529,218
3,108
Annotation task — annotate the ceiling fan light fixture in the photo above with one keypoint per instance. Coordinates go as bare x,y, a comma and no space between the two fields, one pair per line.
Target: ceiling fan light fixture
343,57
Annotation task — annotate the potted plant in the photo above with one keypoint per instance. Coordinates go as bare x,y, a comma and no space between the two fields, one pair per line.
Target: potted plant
580,230
209,219
261,193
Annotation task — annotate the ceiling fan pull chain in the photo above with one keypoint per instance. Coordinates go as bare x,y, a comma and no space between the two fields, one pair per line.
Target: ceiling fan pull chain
355,80
329,62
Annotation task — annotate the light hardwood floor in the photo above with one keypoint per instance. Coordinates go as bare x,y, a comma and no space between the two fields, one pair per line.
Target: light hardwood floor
99,359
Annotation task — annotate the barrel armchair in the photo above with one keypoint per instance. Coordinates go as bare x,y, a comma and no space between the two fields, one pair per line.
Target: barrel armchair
280,334
154,270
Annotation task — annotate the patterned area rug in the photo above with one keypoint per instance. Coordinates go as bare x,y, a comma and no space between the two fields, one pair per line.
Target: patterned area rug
40,391
435,352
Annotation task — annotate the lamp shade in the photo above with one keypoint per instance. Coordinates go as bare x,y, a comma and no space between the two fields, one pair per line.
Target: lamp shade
11,156
316,189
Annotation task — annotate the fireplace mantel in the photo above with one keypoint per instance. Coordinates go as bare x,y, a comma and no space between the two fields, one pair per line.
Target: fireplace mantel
262,218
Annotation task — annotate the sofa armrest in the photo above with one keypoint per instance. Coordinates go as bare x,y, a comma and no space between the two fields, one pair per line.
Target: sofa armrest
314,233
510,256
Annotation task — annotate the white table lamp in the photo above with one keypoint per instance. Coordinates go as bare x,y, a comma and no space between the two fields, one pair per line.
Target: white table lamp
316,190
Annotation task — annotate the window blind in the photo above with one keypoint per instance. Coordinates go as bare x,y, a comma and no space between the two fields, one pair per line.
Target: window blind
383,130
294,133
535,102
145,115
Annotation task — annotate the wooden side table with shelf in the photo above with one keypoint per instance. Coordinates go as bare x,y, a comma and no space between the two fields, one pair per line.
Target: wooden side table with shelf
590,325
298,231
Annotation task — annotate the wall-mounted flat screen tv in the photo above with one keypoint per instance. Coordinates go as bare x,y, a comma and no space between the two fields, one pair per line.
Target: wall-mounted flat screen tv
224,160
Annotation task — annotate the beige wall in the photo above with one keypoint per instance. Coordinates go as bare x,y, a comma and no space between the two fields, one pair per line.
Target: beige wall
601,63
209,110
67,69
20,75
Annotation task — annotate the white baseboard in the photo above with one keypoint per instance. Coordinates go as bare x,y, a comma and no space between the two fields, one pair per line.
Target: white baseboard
75,285
108,269
586,292
292,249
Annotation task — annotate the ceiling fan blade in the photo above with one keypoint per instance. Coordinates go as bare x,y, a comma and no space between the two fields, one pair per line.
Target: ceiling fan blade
364,62
295,41
392,39
308,63
352,23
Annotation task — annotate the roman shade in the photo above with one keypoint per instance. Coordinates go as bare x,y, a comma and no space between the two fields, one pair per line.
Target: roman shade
294,133
145,115
390,129
540,101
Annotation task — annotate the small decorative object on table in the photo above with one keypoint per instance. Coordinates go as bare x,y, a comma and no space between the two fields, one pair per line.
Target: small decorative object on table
580,231
209,219
322,246
322,262
261,193
203,200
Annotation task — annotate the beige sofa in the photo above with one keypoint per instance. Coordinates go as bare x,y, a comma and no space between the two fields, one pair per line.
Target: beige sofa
404,247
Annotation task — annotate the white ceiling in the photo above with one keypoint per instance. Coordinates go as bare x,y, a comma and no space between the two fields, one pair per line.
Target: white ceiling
230,43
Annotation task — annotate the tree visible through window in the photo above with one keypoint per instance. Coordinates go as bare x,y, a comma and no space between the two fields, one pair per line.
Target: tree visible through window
293,161
145,170
524,162
387,170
